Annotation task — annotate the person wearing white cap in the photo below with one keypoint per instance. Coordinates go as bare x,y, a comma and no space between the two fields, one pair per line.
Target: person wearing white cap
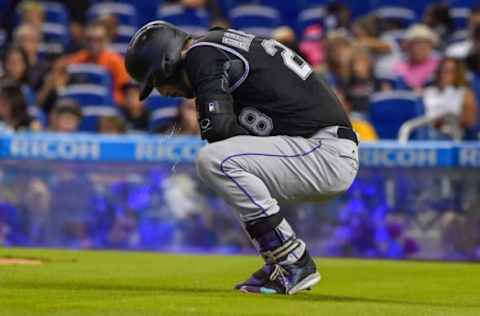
420,62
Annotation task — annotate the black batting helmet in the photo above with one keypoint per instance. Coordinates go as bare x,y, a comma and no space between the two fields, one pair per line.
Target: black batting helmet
154,54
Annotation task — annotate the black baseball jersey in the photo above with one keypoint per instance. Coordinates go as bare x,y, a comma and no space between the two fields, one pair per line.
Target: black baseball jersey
274,90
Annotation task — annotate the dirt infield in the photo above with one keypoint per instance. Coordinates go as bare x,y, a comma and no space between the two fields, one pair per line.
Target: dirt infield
19,262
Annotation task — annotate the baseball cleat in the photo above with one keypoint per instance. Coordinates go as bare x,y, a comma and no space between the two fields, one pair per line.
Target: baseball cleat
282,279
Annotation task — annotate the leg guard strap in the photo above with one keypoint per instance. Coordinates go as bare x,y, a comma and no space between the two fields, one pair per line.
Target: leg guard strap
279,254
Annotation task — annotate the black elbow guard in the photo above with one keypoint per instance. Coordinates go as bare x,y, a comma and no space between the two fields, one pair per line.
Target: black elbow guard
216,118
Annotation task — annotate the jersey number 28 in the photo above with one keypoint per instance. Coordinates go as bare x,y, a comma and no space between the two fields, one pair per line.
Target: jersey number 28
296,63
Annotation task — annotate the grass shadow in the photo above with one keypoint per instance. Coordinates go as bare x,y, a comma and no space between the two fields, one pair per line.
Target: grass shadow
161,289
101,286
314,297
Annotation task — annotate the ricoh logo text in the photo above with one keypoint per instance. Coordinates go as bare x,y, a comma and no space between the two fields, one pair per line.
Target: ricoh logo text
54,149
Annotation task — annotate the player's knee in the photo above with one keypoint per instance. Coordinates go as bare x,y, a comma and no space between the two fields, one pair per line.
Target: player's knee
207,162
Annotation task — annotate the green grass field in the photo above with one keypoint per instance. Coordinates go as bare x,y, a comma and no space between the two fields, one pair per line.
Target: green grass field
123,284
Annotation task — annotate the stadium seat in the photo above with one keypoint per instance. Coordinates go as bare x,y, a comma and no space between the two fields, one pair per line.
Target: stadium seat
404,15
473,133
95,101
55,32
254,18
127,18
89,74
120,42
394,81
193,21
289,10
459,36
163,111
55,39
389,110
55,13
3,38
460,17
125,13
309,16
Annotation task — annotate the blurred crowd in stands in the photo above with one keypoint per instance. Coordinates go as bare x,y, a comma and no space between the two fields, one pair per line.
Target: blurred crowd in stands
421,214
393,64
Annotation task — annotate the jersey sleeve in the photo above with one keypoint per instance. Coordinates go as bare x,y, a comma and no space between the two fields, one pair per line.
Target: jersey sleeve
207,69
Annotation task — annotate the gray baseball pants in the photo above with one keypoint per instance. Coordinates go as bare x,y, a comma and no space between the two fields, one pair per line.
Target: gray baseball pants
251,173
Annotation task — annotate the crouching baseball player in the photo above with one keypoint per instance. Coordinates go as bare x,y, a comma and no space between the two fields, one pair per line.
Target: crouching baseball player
275,131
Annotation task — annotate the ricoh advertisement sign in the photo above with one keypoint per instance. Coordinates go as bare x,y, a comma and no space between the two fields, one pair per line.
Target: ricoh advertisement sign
415,155
150,148
99,148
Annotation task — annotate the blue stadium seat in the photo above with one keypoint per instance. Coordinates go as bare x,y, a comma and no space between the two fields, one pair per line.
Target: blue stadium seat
394,81
3,38
55,13
120,42
95,101
125,13
127,17
55,32
389,110
458,36
474,132
462,3
55,38
146,9
404,15
163,111
89,74
460,17
289,10
309,16
193,21
254,18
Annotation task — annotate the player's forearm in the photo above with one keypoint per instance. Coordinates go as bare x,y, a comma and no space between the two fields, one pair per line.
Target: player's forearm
217,119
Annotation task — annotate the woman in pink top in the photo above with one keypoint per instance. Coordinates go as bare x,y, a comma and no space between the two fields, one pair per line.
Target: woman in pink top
420,63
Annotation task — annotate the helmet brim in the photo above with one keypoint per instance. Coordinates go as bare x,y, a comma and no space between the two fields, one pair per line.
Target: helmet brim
146,87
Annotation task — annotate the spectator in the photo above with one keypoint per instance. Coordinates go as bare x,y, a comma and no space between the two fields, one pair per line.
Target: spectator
361,83
96,52
31,12
463,48
188,118
36,202
65,116
338,16
339,57
363,128
27,37
286,36
110,23
16,66
367,33
13,108
437,17
111,125
193,4
451,94
420,63
312,46
134,110
54,81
